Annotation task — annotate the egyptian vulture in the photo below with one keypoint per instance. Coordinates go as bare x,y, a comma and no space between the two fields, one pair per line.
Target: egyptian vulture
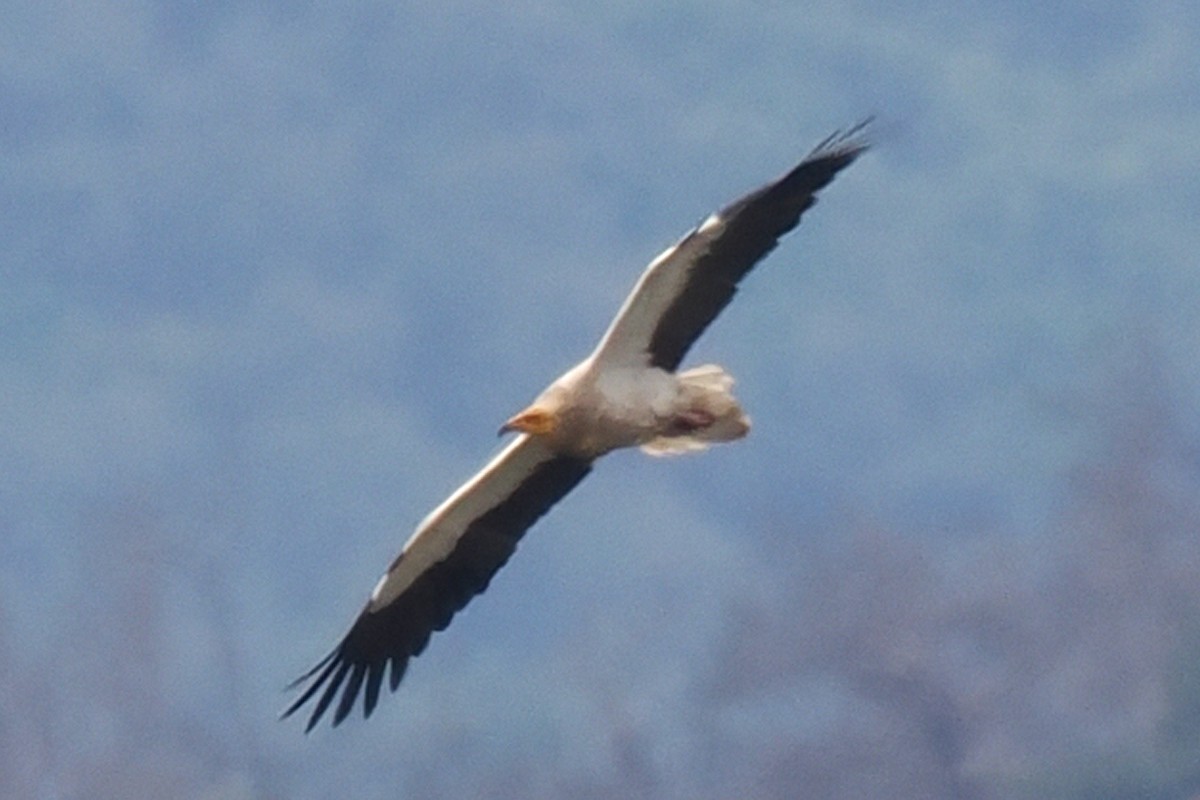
626,393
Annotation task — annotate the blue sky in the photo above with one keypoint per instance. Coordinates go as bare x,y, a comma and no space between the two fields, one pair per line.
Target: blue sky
273,274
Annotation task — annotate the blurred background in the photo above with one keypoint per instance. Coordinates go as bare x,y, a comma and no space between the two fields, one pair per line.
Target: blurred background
272,275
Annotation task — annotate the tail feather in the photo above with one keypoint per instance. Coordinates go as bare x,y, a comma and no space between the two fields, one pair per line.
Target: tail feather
706,390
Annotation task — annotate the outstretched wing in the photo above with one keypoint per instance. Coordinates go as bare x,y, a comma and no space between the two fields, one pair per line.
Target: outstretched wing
685,288
450,558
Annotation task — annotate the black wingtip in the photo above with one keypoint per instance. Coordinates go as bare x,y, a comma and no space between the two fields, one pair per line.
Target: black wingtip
316,678
296,684
848,142
333,678
374,683
350,693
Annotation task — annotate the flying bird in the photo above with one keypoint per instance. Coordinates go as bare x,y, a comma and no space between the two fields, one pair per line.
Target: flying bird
627,393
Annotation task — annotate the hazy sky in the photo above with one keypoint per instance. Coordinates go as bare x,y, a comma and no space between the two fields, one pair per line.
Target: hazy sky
272,275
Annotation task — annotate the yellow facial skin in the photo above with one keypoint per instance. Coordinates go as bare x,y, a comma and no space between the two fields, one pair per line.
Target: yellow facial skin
533,420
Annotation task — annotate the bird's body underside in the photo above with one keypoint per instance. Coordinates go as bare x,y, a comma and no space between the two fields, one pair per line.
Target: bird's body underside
627,393
591,411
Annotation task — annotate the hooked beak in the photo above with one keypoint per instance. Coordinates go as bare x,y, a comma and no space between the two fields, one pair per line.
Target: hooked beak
533,420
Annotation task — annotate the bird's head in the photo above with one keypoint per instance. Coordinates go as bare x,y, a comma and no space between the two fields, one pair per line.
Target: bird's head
537,420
